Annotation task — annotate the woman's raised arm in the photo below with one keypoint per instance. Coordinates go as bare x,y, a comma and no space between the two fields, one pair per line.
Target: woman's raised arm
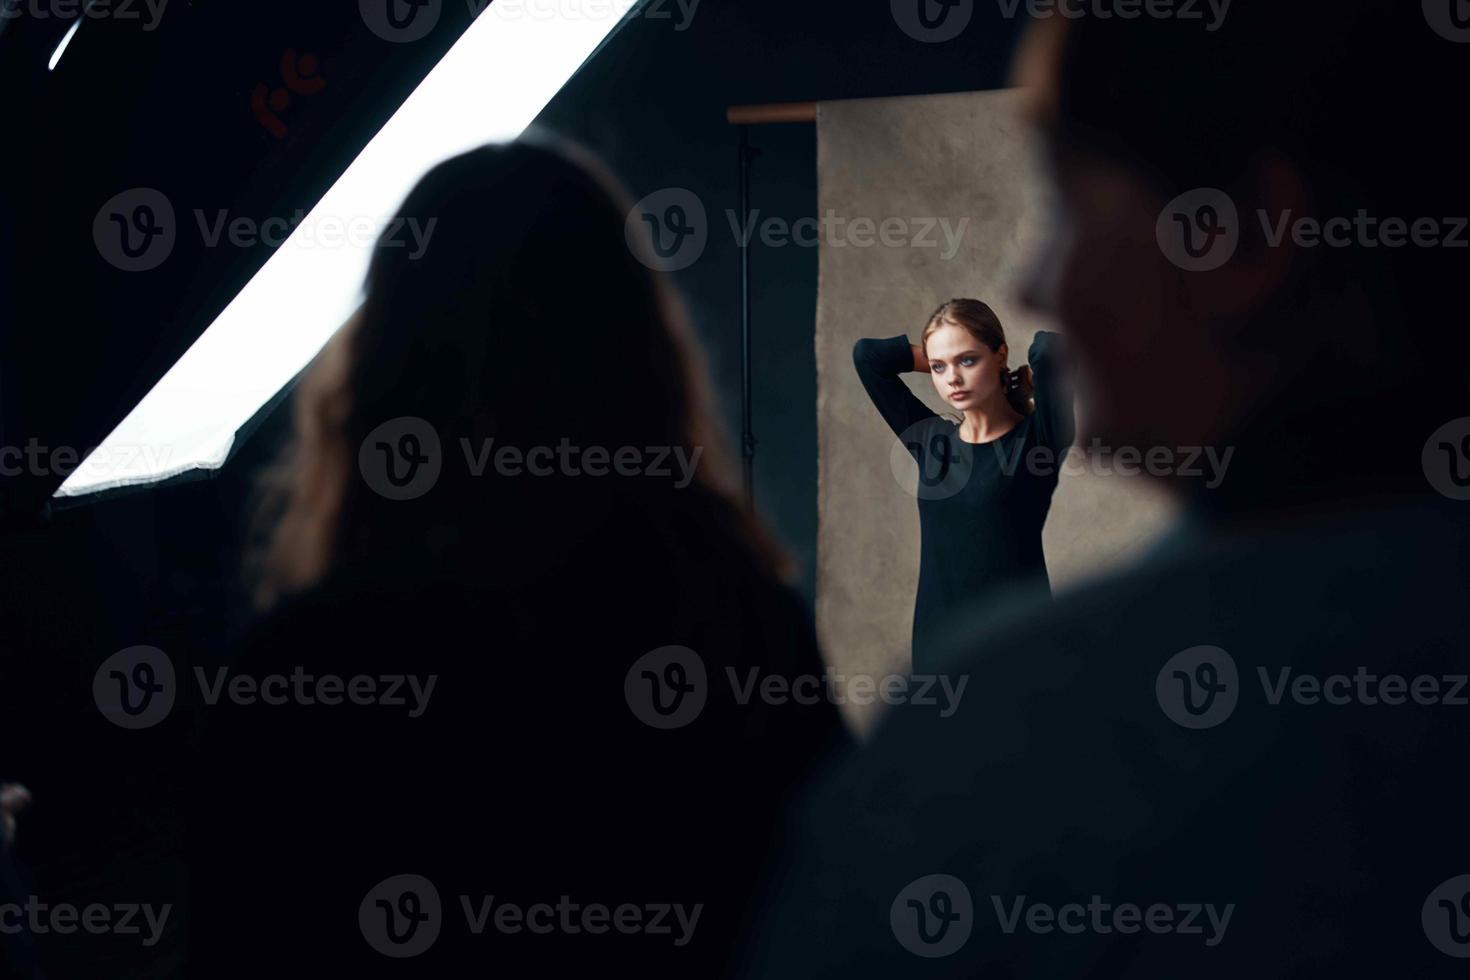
1052,377
879,364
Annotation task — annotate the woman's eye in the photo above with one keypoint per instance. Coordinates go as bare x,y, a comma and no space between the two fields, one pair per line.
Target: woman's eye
936,368
967,361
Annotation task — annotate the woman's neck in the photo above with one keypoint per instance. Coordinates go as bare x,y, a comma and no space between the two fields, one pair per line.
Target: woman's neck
991,421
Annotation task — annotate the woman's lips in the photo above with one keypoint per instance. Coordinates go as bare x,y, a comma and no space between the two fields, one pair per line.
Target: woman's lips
959,394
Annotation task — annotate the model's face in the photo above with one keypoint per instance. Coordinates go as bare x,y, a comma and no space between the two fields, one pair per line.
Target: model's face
966,373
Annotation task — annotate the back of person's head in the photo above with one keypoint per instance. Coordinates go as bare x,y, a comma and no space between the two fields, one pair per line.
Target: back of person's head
1328,128
530,323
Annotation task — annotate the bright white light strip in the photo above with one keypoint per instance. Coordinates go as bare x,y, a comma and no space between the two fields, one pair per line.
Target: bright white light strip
61,48
489,87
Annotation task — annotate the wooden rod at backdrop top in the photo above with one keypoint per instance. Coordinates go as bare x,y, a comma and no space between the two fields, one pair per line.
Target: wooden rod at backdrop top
779,112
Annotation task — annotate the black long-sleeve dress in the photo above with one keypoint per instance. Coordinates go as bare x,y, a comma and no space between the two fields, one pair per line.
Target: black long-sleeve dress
981,506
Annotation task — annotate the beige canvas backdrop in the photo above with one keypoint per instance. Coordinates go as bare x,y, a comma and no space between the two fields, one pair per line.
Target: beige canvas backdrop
956,157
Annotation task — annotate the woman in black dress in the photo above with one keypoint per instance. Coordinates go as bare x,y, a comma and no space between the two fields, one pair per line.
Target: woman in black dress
986,481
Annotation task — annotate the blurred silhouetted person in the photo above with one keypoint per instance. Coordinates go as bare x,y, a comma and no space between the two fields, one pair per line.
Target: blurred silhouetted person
1243,755
504,484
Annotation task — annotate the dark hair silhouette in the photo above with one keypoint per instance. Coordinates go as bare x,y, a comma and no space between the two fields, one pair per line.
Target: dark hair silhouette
1282,102
1185,107
529,319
